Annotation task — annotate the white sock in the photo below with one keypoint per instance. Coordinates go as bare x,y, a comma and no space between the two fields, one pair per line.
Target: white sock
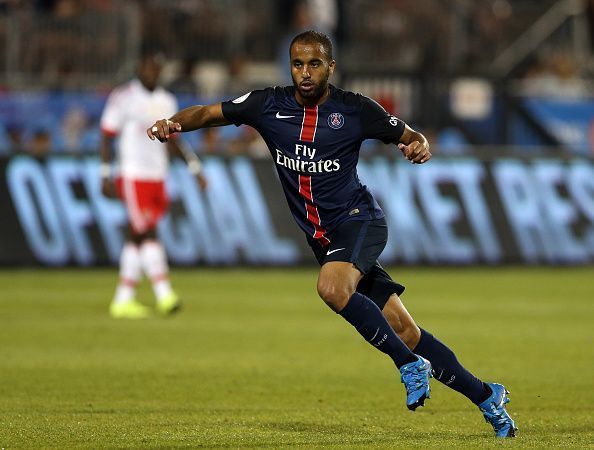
129,273
154,264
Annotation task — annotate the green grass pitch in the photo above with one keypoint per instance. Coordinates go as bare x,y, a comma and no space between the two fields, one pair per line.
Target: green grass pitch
256,360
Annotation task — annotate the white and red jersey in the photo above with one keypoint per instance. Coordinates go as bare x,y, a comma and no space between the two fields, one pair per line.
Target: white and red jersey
129,111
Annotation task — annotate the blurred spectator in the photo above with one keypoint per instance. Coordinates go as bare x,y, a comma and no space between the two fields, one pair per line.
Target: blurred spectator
14,133
554,73
184,81
237,82
74,125
40,143
485,24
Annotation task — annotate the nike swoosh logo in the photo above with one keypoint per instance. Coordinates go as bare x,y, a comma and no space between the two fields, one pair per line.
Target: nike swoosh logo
329,252
279,116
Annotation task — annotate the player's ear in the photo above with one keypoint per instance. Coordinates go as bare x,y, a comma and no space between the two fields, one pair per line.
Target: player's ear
331,66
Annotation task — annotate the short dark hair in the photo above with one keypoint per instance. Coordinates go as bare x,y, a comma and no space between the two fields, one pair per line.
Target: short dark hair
314,37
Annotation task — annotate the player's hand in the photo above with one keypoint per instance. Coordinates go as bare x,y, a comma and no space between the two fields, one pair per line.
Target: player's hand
162,129
202,181
416,152
108,188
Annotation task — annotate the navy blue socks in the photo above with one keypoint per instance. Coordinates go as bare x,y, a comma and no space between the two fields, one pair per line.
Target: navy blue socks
369,321
449,371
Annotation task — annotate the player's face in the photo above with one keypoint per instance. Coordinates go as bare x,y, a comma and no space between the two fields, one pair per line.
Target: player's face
149,72
310,70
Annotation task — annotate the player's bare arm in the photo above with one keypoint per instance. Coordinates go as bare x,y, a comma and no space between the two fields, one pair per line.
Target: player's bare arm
188,119
414,146
177,148
106,153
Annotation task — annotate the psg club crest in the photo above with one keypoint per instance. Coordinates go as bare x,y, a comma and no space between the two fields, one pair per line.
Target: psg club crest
335,120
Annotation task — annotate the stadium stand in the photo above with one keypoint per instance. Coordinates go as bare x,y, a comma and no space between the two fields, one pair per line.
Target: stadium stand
59,58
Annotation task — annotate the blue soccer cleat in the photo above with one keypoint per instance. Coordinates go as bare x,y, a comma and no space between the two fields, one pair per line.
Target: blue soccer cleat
493,410
415,377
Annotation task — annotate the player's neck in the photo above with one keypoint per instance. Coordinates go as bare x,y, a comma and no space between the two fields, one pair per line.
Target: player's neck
148,88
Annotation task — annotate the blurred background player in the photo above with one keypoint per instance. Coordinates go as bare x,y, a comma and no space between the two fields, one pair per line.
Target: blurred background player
140,184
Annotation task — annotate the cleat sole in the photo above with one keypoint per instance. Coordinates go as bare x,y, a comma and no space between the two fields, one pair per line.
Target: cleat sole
419,402
175,309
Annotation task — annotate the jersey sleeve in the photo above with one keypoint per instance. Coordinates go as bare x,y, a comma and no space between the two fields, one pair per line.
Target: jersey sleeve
377,123
246,109
113,114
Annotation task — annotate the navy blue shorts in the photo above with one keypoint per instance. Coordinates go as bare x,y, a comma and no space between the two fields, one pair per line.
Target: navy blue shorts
360,242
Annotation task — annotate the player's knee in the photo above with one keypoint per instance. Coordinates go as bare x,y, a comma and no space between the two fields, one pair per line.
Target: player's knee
335,296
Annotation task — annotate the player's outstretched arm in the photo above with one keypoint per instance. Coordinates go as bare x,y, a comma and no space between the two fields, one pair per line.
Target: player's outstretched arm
414,146
189,119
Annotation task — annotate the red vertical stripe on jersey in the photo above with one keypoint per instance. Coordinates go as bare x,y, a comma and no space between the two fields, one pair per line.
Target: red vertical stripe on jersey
311,210
308,134
309,124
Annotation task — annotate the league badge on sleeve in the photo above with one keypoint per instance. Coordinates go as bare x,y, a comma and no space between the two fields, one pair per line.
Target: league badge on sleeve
242,98
335,120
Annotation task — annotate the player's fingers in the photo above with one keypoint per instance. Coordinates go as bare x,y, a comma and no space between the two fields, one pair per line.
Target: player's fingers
426,157
158,131
405,149
413,150
170,127
418,155
149,133
162,130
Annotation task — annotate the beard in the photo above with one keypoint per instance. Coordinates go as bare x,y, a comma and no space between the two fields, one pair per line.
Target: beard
316,91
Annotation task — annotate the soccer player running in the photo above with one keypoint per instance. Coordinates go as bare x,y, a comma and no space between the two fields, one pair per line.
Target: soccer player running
314,132
140,184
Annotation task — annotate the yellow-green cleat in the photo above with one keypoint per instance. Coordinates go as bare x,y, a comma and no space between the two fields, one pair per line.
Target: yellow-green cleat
129,310
168,304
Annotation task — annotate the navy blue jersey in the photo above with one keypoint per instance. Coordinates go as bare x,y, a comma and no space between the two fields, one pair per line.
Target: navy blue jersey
316,150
